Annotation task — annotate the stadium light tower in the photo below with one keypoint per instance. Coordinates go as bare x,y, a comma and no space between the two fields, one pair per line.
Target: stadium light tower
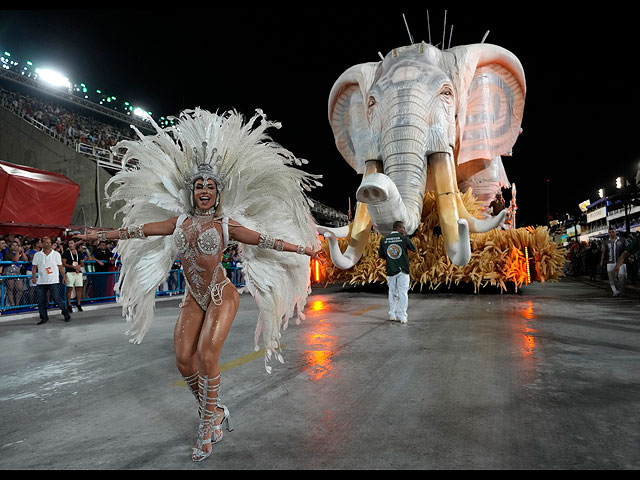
53,78
144,115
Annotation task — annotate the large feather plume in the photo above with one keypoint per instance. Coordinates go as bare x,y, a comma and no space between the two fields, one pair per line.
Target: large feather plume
263,191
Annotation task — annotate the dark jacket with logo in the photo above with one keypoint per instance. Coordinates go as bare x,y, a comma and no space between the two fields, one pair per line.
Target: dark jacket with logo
393,248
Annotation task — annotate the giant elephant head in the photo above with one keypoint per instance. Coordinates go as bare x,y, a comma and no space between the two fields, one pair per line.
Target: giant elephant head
412,122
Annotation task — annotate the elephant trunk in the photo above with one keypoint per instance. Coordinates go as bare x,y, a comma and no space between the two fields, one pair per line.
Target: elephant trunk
398,194
360,230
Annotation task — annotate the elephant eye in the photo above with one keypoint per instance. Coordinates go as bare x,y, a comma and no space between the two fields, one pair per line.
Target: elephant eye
446,91
371,102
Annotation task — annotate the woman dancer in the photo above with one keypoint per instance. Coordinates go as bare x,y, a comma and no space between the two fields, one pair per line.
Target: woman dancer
263,190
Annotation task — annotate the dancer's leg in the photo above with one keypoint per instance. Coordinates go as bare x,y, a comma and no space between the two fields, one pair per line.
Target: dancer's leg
185,341
216,326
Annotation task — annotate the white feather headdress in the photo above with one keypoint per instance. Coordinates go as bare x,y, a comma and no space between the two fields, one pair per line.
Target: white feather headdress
262,191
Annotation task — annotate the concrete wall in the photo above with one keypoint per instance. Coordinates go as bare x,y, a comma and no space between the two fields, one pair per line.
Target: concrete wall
22,144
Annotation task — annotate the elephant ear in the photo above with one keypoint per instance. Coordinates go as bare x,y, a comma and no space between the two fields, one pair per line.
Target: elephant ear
490,120
348,115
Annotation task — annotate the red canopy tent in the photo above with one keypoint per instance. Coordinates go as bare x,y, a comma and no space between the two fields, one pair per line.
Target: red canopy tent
35,202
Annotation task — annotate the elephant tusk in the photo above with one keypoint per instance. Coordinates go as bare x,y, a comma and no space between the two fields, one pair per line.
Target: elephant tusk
461,255
455,230
477,225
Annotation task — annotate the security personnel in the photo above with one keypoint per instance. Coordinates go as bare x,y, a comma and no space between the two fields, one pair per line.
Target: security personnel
394,249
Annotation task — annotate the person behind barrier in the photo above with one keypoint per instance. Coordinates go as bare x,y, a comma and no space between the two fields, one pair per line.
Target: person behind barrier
46,273
73,261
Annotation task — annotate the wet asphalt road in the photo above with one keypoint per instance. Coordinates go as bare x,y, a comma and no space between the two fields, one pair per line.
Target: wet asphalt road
546,378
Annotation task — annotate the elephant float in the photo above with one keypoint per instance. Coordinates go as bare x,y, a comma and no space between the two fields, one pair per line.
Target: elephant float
425,119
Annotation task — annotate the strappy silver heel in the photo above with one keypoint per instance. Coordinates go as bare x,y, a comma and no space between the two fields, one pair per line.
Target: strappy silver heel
192,383
208,415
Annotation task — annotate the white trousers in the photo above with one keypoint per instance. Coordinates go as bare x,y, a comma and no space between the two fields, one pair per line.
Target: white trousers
398,295
619,281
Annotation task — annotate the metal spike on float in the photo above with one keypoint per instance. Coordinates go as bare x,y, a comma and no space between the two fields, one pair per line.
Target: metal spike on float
407,25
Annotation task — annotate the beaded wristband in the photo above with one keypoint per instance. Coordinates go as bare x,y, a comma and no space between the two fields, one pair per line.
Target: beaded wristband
135,231
300,249
102,235
266,241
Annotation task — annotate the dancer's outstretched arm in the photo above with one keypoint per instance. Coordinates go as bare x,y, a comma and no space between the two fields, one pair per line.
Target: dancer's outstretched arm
166,227
251,237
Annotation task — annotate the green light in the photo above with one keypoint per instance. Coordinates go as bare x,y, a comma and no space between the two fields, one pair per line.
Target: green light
98,91
29,63
7,54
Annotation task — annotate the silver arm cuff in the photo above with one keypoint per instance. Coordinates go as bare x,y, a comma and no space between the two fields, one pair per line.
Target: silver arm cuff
266,241
135,231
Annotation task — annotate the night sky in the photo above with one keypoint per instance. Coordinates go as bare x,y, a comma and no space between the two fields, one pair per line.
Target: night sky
579,129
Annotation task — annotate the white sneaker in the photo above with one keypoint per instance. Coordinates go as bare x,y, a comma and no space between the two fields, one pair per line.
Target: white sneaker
404,320
393,319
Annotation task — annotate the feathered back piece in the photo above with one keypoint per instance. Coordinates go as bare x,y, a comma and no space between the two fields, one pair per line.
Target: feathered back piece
258,188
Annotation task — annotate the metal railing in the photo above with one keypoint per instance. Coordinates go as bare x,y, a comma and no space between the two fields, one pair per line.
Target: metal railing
18,294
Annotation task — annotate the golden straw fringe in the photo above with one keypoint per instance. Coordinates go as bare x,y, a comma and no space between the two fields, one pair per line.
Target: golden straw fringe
497,257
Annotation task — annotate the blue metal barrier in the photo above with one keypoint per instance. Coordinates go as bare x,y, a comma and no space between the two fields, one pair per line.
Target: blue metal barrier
97,288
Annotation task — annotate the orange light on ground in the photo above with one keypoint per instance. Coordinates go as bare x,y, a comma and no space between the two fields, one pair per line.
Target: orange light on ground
523,335
529,341
320,343
317,305
318,364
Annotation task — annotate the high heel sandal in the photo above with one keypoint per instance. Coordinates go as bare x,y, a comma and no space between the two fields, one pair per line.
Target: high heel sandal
207,427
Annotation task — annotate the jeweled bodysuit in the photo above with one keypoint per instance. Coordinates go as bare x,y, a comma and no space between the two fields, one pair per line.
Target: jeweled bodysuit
200,246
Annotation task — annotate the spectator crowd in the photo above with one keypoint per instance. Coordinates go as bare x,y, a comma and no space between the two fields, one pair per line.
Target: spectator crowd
70,127
96,262
586,259
90,271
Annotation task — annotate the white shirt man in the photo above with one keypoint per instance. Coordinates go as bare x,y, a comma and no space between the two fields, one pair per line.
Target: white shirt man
393,248
47,265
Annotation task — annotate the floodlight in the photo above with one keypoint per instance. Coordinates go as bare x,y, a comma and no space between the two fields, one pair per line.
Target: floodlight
619,182
53,78
140,112
601,193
